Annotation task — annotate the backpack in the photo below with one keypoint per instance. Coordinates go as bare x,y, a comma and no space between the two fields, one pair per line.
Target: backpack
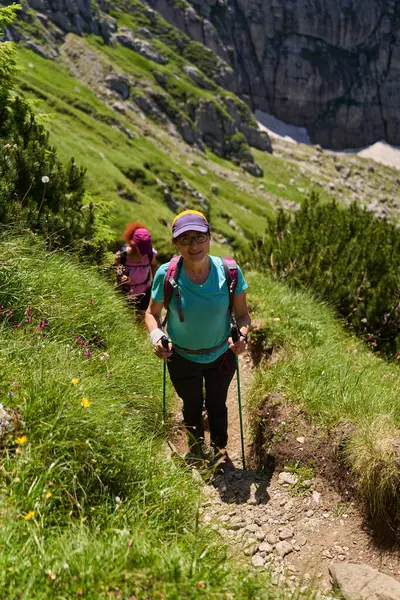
171,284
122,261
123,255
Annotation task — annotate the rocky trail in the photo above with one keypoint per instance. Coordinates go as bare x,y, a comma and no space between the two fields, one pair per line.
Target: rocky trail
303,531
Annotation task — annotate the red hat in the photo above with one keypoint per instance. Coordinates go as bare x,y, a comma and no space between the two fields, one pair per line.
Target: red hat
142,239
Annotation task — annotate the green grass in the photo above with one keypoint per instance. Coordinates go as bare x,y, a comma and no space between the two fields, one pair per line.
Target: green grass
335,379
110,515
82,126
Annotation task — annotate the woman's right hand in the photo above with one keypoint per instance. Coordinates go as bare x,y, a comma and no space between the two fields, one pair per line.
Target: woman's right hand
162,352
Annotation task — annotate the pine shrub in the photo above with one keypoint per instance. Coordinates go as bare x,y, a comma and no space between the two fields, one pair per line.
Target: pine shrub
36,191
345,256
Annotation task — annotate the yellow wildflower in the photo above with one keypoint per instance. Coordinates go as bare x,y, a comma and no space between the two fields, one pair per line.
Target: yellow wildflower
18,451
75,380
21,440
49,495
85,402
29,515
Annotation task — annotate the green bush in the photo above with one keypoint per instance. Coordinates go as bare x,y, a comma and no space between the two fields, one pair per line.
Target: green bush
36,191
346,256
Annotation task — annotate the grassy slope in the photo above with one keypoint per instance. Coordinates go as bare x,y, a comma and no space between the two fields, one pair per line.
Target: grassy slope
334,378
83,127
110,514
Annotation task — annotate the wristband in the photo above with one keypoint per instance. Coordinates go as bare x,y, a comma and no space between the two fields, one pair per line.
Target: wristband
156,336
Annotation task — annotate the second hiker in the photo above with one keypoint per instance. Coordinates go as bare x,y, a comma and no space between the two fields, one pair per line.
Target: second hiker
203,293
136,265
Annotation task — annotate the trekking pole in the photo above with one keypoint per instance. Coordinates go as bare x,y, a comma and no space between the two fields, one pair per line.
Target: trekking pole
235,336
164,342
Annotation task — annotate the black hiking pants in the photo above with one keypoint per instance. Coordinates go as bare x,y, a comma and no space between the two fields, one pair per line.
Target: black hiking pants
187,377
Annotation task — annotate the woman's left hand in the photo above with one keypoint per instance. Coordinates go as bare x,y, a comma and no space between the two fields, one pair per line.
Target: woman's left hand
237,347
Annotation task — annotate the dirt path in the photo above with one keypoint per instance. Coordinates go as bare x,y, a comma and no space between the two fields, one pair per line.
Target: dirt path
296,536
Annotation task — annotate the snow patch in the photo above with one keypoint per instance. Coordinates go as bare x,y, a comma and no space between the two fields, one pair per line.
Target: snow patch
381,152
276,128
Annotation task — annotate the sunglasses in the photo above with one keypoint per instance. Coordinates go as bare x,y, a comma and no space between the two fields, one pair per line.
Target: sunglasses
199,238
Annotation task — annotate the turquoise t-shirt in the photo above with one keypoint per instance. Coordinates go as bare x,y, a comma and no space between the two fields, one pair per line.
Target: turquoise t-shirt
205,309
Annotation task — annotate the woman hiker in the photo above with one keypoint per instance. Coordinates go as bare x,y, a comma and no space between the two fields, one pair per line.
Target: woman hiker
136,265
200,347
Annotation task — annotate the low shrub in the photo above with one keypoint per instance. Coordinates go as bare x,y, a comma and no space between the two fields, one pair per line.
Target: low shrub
345,256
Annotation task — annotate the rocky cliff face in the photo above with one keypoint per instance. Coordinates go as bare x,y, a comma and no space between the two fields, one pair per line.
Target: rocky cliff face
174,98
332,66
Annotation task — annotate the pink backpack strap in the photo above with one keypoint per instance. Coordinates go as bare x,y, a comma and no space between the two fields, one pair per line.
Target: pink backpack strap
171,286
231,275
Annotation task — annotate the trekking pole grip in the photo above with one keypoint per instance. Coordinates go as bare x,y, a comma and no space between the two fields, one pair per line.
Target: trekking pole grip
234,333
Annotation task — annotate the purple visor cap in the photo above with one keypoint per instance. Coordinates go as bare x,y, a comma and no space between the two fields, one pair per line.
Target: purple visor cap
189,222
142,239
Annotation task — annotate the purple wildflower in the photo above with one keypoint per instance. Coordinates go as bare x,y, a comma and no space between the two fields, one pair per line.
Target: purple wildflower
91,301
10,394
88,354
42,325
9,312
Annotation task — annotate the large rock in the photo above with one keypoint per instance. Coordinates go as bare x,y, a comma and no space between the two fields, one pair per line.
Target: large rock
126,38
332,67
118,84
197,77
76,16
361,582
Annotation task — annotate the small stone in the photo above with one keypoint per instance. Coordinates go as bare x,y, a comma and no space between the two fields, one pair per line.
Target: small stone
341,557
316,496
287,533
257,560
237,526
224,518
309,514
286,477
283,548
307,483
250,550
301,540
252,527
259,535
301,440
265,547
271,539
